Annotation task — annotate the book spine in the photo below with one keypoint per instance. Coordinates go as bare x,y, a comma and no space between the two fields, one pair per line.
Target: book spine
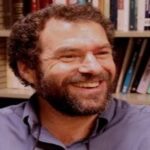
44,3
113,12
145,80
140,14
70,2
3,61
141,68
35,5
123,15
95,3
59,2
82,2
139,59
147,15
148,90
17,9
1,15
8,13
107,8
133,15
26,7
125,64
129,73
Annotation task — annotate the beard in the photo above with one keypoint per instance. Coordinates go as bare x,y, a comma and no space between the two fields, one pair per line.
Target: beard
62,99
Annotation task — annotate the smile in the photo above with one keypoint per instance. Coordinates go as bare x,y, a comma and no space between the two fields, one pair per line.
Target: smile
87,84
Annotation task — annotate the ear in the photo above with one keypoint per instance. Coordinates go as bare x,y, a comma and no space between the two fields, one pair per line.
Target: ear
26,73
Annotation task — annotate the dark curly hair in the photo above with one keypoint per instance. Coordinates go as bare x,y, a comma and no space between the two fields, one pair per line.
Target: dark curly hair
23,43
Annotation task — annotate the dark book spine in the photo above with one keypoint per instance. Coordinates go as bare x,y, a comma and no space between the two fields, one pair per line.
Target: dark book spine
133,15
17,9
141,68
8,13
113,12
44,3
147,15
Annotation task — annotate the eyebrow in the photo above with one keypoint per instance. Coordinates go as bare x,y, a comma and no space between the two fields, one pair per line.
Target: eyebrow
66,49
72,49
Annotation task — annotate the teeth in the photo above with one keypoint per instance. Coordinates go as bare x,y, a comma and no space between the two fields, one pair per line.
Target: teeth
87,85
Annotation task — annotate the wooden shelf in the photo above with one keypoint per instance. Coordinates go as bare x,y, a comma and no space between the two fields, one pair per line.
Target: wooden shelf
118,34
134,98
4,33
15,93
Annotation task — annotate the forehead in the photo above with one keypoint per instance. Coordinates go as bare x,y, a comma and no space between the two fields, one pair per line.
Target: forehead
60,33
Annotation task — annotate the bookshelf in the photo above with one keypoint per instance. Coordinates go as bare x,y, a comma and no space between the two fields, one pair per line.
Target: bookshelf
131,97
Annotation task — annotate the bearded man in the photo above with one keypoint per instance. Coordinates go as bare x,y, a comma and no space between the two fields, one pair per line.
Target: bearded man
65,54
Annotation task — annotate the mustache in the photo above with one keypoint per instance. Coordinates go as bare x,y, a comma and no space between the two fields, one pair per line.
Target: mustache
90,78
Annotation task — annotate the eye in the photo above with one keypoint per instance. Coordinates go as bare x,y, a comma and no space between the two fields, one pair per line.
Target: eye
103,53
69,58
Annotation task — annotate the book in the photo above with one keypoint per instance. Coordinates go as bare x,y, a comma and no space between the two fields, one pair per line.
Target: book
95,3
147,15
44,3
148,90
123,15
82,2
140,14
1,15
8,13
119,50
102,6
124,65
132,62
17,10
35,5
107,8
133,15
113,12
59,2
26,7
139,59
141,68
145,80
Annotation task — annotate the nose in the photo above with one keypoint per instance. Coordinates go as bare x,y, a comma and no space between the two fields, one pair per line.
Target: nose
90,65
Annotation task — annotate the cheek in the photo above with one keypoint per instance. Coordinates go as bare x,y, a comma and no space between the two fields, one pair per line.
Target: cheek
60,71
110,66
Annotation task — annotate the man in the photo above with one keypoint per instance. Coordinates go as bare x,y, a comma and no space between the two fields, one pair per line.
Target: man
65,54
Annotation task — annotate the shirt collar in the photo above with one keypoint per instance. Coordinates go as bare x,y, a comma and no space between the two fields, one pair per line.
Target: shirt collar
31,119
30,116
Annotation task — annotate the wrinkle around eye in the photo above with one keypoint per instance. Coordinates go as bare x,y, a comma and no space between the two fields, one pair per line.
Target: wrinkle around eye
69,58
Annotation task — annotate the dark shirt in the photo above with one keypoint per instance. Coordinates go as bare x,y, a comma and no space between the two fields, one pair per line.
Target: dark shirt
121,127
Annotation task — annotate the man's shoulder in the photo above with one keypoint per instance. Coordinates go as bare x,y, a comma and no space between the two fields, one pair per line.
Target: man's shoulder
11,115
131,114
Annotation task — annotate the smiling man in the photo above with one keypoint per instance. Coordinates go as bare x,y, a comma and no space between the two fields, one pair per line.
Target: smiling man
65,54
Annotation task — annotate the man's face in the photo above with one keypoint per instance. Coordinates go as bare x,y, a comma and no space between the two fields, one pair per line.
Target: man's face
77,67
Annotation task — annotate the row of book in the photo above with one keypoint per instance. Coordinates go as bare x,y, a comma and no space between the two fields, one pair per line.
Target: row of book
132,60
133,63
3,62
125,14
7,78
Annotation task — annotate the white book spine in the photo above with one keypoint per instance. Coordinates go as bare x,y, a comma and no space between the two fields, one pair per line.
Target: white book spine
145,80
95,3
107,8
123,15
140,14
59,1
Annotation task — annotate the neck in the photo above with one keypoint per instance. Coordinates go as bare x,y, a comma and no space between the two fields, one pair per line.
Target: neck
65,128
